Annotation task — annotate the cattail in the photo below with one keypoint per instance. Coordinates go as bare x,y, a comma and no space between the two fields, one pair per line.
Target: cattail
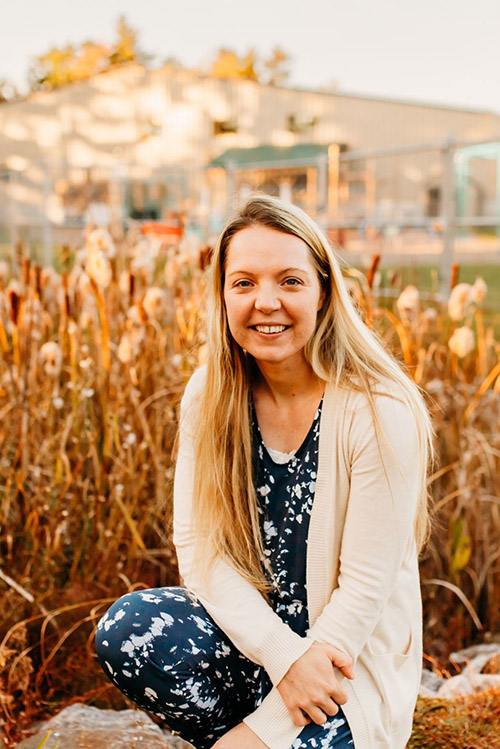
26,271
35,280
51,357
454,276
155,302
131,287
142,312
478,290
393,278
462,342
65,255
19,253
371,273
67,308
15,305
408,305
459,301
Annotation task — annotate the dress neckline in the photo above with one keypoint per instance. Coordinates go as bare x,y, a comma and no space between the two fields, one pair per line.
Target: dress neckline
278,457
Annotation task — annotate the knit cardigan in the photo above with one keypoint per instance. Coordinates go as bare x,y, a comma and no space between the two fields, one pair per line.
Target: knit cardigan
363,588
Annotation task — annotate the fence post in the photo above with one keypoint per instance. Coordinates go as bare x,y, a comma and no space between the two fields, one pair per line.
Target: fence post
449,216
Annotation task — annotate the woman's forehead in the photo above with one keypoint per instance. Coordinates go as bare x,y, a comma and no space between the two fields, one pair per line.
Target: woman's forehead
261,247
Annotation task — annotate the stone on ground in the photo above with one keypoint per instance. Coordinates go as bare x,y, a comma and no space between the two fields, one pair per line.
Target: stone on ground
81,726
471,679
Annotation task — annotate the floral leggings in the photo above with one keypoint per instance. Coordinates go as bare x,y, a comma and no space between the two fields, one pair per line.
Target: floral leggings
161,648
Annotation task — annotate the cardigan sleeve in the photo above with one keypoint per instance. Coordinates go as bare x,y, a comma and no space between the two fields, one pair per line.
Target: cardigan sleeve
234,604
379,524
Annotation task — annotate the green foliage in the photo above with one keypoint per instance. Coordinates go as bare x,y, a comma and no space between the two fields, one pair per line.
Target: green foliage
272,70
61,66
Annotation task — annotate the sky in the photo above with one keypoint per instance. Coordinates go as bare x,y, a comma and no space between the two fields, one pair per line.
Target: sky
438,51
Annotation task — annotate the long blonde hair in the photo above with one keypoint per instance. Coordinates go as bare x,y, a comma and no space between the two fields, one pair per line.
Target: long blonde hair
342,350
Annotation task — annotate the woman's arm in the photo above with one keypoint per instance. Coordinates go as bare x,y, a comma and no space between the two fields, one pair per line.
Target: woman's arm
379,526
377,534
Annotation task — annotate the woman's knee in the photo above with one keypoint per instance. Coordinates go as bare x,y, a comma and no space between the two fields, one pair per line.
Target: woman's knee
142,622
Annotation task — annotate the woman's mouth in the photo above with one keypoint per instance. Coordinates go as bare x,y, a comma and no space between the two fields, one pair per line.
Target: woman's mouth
270,329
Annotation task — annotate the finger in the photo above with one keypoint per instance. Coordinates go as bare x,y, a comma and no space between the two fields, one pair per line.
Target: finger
329,707
299,717
338,694
347,671
317,715
340,659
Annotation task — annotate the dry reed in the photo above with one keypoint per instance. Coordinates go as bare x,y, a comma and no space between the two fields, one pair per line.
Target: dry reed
92,367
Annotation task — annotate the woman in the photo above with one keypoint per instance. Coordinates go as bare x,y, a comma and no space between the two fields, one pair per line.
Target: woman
300,505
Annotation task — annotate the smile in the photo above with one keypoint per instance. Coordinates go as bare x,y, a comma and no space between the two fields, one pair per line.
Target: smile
270,329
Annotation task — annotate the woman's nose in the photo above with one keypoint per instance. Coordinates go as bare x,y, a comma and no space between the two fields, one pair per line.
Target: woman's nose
267,300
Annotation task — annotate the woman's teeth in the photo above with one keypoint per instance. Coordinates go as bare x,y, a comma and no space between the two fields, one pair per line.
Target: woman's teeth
270,328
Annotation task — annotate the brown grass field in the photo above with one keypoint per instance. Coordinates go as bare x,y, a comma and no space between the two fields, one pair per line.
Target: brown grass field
93,363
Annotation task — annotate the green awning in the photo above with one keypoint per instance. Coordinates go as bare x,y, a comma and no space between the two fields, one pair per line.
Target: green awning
271,157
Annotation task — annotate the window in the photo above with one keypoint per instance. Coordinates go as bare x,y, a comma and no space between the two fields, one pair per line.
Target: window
433,201
300,123
221,127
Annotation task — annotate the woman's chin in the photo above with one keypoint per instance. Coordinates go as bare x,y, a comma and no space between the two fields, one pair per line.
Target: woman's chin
275,357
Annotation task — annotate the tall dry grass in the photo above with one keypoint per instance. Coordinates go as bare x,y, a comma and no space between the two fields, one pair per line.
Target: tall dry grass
93,364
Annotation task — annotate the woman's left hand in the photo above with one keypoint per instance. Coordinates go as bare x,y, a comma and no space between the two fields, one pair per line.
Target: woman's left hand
241,736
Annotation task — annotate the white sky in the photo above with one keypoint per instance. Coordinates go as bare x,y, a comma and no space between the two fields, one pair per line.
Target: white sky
440,51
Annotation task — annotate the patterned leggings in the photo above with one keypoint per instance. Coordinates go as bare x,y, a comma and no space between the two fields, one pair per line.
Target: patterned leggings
161,648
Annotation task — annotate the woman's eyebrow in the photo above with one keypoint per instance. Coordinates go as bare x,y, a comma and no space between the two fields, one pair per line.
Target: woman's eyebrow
279,273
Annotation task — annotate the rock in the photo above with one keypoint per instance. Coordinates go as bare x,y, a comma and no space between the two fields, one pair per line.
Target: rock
483,652
468,683
470,679
430,683
81,726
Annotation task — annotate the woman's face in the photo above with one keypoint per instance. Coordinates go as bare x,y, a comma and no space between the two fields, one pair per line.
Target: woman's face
272,294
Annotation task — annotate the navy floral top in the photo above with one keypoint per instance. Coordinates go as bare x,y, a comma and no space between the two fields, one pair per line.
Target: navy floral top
285,493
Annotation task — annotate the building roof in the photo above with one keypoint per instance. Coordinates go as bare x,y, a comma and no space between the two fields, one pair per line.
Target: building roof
267,156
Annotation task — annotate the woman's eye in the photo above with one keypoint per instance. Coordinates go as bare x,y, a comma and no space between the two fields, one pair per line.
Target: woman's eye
292,282
242,284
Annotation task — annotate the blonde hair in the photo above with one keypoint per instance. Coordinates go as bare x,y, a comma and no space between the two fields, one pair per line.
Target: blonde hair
342,350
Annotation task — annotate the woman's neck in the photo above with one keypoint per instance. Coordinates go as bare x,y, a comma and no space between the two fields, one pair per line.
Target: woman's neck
284,384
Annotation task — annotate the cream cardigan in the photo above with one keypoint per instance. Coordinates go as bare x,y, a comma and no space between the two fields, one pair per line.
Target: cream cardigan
363,586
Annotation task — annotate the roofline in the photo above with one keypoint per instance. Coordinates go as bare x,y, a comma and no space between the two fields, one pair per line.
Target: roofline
405,102
298,89
373,97
345,94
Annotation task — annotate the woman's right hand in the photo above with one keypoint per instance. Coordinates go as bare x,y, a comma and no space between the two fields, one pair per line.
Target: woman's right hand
310,688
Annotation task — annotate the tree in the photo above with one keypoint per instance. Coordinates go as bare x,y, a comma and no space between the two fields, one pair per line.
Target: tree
53,69
227,64
276,67
273,70
8,92
126,47
64,65
92,59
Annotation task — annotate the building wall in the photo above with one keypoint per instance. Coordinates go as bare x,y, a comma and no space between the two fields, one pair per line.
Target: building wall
130,123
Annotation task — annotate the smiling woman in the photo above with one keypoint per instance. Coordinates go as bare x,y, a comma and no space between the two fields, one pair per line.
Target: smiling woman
267,298
300,505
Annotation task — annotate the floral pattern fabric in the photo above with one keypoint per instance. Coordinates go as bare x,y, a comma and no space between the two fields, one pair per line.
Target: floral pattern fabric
285,492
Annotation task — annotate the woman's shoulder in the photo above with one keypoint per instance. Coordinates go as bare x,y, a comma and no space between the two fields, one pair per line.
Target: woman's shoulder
195,384
383,391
